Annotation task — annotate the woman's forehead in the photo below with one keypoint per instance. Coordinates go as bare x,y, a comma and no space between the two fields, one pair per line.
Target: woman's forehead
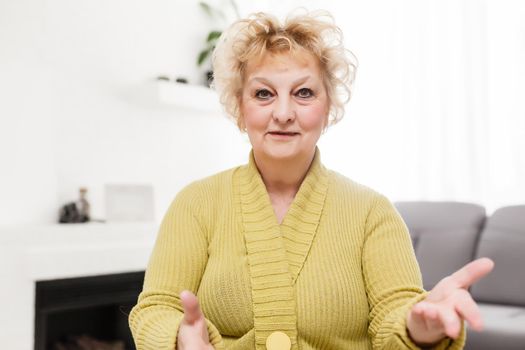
281,62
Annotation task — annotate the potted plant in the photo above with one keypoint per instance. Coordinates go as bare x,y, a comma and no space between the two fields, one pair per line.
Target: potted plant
215,14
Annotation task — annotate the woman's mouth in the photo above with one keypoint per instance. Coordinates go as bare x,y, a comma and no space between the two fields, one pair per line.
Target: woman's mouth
283,133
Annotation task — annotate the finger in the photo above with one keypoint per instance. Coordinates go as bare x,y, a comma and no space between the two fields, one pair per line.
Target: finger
450,321
427,316
417,314
424,324
472,272
431,317
469,310
192,310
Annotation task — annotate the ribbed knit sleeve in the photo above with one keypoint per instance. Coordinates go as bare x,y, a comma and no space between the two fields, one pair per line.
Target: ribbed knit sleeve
393,280
177,263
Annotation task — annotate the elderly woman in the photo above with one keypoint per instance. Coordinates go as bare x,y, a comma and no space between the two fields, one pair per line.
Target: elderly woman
283,253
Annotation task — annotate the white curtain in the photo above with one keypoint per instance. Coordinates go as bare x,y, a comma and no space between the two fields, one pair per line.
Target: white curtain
439,106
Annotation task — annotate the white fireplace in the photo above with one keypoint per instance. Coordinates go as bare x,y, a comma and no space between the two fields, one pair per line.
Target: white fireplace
37,253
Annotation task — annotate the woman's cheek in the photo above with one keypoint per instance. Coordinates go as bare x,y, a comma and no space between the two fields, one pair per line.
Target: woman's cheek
314,117
256,117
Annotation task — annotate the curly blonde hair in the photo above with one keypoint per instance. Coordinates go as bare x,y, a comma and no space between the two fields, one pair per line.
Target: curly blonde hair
261,33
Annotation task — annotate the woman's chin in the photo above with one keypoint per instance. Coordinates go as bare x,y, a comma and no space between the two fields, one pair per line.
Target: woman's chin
281,152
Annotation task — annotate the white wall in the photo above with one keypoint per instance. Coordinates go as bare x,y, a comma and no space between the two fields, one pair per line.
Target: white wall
79,107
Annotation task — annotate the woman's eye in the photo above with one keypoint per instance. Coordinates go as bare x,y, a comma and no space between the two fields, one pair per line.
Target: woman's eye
263,94
305,93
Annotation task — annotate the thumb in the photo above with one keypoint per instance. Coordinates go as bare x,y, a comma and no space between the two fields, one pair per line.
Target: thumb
192,310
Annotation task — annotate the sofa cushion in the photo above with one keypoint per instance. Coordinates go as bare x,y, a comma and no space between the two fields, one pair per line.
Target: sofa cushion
504,329
503,240
444,235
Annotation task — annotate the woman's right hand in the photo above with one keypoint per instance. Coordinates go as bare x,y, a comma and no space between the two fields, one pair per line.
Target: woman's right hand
193,331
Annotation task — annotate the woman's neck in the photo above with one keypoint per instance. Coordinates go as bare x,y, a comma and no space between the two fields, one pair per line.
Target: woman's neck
283,178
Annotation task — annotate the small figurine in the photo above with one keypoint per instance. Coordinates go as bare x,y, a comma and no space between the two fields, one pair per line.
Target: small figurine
76,212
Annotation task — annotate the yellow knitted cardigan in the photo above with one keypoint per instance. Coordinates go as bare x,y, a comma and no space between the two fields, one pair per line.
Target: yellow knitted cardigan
339,272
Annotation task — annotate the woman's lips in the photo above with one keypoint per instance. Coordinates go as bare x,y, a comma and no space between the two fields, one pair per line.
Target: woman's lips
282,136
283,133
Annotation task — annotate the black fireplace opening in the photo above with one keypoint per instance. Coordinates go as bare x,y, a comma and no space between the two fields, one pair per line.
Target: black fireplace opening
86,312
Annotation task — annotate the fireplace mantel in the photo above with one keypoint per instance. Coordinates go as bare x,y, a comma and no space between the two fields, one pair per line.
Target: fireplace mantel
36,253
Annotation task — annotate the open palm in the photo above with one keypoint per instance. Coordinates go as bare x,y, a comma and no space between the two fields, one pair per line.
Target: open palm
442,312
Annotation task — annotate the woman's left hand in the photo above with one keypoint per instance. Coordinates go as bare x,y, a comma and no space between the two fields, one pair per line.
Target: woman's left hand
442,312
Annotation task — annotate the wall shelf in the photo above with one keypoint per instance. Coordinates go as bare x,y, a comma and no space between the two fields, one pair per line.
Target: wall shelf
195,97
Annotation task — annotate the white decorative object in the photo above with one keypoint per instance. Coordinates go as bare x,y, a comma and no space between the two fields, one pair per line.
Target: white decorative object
129,203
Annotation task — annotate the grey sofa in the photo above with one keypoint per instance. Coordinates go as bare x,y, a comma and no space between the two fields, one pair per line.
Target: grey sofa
447,235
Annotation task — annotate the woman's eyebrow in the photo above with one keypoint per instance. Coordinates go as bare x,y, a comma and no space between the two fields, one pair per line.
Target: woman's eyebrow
269,82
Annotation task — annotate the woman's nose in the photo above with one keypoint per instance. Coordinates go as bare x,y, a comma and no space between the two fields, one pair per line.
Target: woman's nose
284,110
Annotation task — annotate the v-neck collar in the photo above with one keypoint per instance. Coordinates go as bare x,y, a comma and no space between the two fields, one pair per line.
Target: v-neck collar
277,252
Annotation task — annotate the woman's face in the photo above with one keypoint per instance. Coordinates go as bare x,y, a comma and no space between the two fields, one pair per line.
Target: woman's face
284,105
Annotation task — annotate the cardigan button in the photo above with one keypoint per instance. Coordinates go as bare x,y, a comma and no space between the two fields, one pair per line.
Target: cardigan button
278,341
